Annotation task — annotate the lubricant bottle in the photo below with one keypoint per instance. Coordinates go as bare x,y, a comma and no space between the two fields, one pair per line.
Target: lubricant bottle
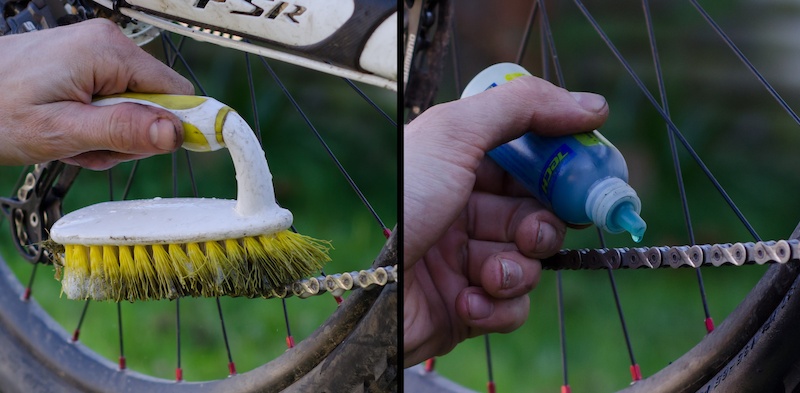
582,178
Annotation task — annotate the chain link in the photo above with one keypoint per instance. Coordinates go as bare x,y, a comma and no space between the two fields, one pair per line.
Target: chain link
337,284
736,254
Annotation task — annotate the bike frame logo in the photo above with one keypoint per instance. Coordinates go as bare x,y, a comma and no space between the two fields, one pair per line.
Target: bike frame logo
271,9
287,22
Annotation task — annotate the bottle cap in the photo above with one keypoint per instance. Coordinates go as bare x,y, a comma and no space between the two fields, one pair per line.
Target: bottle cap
614,207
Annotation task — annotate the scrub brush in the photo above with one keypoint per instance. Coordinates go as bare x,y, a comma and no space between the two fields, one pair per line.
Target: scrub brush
173,247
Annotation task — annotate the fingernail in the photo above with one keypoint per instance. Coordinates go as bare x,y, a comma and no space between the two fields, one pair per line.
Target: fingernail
512,273
162,135
478,306
546,240
590,101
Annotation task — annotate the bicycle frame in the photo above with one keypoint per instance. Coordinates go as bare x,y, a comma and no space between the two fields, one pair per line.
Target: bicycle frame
317,35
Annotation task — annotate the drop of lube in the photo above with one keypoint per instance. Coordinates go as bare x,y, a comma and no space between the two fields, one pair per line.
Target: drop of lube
627,218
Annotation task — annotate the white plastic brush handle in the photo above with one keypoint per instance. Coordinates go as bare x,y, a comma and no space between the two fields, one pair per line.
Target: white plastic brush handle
210,125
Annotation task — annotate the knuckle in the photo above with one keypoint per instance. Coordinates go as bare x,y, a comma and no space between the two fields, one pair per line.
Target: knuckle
122,131
105,27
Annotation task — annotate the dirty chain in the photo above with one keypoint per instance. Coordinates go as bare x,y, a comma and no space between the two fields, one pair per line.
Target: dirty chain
737,254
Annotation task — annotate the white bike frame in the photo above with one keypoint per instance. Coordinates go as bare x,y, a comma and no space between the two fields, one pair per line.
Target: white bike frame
354,39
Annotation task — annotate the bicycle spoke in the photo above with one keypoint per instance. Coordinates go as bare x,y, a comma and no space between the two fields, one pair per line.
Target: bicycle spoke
231,364
28,288
186,66
636,372
370,102
77,332
526,35
547,35
339,166
490,386
709,322
562,333
122,361
178,368
748,63
190,170
430,364
289,337
253,104
171,54
110,184
129,183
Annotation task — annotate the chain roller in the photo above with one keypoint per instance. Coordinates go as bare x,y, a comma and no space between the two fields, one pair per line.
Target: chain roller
337,284
736,254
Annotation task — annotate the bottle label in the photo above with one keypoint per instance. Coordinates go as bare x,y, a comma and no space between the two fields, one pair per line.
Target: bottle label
588,139
515,75
562,155
508,78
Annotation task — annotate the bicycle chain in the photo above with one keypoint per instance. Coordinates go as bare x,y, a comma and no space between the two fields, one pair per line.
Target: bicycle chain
337,284
736,254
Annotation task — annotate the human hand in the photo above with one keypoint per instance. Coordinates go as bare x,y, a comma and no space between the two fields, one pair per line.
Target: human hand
47,81
472,236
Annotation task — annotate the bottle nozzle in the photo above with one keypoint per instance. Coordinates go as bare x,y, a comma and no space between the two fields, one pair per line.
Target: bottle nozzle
627,218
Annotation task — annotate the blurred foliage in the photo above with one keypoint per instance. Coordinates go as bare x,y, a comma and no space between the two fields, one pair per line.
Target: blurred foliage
306,181
741,133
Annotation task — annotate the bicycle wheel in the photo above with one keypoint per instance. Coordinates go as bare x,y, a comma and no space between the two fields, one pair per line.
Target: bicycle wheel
727,123
232,344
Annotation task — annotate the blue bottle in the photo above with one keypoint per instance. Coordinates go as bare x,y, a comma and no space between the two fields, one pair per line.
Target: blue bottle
582,178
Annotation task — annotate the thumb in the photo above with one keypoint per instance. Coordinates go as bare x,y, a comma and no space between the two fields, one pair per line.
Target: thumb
504,113
127,128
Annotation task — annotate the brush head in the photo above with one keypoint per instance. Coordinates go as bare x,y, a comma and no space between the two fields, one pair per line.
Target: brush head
168,248
251,266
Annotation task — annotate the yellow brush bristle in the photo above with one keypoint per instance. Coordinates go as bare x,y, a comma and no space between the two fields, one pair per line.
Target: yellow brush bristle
196,264
250,266
96,275
215,269
196,258
165,273
127,272
255,253
75,277
236,257
180,262
148,282
111,269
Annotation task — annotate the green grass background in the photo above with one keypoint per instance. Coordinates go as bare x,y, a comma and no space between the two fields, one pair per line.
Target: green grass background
306,182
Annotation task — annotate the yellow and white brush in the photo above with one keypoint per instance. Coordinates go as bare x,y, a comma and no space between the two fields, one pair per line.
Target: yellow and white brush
172,247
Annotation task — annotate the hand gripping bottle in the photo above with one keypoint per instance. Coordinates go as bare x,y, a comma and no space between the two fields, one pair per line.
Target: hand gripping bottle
582,178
